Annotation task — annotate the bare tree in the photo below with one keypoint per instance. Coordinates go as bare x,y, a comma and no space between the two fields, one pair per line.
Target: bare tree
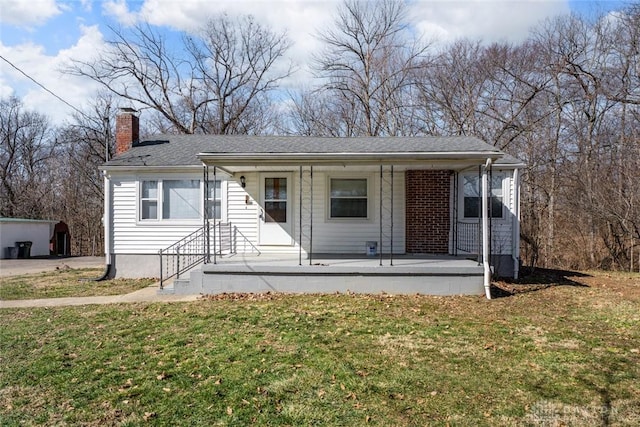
216,82
450,89
236,60
27,145
368,63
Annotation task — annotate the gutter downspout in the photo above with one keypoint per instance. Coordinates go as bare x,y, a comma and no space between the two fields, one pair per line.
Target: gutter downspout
516,224
485,230
106,222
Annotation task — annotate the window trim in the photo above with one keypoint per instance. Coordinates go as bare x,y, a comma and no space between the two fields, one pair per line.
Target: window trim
223,200
160,202
369,180
503,176
142,199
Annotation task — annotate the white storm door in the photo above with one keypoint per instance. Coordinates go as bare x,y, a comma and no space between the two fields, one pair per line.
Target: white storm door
275,209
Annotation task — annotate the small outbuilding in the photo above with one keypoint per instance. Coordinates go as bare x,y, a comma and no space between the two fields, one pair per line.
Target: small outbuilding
21,237
60,244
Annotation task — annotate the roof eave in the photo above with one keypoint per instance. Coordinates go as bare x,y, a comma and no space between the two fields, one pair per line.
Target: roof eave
114,168
240,159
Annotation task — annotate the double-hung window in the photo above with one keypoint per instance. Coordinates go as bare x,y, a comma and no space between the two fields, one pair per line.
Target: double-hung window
472,189
149,200
214,200
348,198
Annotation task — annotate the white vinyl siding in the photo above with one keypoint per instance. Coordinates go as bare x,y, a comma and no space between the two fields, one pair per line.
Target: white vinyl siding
243,209
350,235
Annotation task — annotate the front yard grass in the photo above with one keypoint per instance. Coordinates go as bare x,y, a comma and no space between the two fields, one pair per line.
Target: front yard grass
66,283
561,355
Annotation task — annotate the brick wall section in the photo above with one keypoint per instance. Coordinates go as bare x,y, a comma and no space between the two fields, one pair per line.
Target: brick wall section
127,131
427,217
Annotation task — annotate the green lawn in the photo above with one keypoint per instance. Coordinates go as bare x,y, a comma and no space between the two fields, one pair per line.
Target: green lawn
561,355
66,283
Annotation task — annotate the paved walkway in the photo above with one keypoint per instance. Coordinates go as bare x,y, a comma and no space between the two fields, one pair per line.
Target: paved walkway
148,294
13,267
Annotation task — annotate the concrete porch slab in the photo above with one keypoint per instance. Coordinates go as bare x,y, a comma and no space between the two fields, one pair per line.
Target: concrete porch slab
433,275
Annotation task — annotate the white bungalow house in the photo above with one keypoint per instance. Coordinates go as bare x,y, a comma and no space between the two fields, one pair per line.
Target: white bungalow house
311,214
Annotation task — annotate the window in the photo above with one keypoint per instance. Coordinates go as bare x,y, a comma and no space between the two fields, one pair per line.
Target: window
178,199
149,200
348,198
472,189
181,199
214,200
275,199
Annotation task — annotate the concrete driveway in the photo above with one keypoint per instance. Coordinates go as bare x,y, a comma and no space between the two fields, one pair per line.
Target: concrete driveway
14,267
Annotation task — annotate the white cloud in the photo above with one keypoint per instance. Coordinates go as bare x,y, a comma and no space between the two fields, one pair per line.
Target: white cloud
87,5
46,70
119,10
27,13
488,20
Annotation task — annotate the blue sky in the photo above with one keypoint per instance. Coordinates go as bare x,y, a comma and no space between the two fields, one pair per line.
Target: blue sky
40,36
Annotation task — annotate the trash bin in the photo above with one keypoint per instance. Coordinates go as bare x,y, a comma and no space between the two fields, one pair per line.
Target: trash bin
11,252
371,248
24,249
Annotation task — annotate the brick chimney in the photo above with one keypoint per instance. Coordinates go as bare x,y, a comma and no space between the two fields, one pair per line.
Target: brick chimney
127,130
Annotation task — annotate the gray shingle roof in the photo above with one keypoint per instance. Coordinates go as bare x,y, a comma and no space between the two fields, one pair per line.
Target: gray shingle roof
182,150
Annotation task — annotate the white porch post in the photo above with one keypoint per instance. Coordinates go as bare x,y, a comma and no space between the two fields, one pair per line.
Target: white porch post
215,177
205,217
486,256
516,224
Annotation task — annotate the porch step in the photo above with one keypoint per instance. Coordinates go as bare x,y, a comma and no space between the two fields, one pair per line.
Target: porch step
169,288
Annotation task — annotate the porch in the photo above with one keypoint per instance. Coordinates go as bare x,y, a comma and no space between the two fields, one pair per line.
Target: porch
328,273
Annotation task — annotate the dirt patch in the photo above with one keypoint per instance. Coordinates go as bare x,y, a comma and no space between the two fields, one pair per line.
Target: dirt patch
626,285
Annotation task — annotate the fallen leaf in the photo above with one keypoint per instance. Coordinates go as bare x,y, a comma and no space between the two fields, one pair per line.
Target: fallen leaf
229,410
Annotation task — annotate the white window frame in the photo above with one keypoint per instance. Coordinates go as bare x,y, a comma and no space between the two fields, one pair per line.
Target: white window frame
367,178
218,194
503,195
160,201
142,199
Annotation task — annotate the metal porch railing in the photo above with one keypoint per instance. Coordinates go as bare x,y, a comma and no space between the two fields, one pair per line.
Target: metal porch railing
191,250
467,238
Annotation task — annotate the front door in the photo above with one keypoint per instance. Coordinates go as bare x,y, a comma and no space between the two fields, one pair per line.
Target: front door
275,209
